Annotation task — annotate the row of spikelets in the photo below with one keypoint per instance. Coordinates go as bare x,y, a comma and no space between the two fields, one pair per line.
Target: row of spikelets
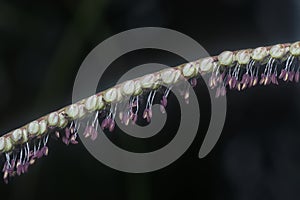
17,144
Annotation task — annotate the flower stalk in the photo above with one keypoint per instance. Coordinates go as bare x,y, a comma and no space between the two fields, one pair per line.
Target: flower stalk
230,70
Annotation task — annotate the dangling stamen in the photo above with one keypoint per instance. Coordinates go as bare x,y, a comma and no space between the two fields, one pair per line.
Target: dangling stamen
126,109
285,72
57,134
112,122
8,160
77,126
251,75
19,163
246,77
224,81
86,133
37,153
44,149
150,105
109,120
234,77
90,130
26,163
220,77
147,112
266,79
11,170
164,101
214,77
28,151
104,123
6,168
193,82
39,145
135,115
274,75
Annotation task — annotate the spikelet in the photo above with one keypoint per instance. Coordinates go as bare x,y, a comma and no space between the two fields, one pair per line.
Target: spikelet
229,70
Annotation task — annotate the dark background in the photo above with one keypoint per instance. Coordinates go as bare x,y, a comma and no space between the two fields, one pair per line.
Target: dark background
42,44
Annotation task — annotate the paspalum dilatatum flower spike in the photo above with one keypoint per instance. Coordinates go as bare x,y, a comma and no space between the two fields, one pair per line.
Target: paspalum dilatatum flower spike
230,70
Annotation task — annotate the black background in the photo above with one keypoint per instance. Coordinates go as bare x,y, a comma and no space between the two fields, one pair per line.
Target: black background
42,44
